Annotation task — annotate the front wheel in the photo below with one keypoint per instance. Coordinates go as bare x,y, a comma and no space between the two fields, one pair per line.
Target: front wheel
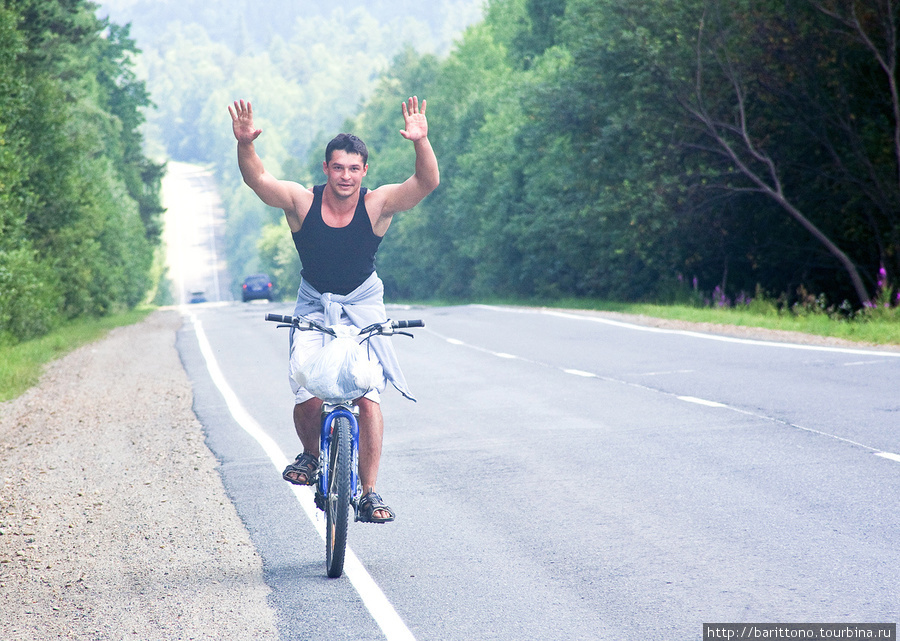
337,501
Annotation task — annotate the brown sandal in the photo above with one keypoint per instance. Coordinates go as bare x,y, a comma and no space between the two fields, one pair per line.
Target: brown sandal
305,466
368,505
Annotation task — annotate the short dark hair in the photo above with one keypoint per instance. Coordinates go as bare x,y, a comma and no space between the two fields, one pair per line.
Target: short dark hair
349,143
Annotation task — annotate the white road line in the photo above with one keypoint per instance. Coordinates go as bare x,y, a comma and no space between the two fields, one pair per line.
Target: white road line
372,596
669,373
711,337
578,372
700,401
456,341
688,399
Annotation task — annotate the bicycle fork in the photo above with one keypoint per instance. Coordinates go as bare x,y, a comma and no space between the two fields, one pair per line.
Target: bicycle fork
330,413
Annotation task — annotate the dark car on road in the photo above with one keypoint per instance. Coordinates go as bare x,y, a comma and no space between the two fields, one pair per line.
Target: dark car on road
256,287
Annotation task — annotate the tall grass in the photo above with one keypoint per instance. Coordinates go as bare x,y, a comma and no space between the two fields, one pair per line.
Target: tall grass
875,329
22,364
876,325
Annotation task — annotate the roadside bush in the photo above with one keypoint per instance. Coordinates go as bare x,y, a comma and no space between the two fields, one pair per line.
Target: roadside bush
29,296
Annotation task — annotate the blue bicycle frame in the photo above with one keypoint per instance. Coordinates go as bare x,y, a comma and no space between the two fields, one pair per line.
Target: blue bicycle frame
329,414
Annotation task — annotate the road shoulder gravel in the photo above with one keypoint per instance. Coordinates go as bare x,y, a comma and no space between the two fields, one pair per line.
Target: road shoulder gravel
114,522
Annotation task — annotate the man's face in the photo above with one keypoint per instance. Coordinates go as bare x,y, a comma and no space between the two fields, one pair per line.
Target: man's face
345,172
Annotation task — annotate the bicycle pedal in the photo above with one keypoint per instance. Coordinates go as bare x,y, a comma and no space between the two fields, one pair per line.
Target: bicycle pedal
320,500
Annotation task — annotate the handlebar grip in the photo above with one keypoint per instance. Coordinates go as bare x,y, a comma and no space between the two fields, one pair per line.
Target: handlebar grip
408,323
278,318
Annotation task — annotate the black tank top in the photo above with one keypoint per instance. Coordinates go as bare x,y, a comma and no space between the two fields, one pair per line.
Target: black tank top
336,260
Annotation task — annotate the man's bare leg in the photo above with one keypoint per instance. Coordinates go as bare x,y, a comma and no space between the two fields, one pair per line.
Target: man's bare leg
371,435
307,421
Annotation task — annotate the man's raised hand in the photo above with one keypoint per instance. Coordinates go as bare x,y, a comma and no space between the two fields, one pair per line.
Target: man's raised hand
415,125
242,122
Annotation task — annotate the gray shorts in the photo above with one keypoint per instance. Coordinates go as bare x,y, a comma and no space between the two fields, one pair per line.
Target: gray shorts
305,344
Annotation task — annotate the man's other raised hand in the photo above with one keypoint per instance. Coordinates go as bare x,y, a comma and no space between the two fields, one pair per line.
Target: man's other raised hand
242,121
415,125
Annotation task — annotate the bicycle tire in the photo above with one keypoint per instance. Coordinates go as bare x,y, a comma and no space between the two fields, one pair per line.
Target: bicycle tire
337,501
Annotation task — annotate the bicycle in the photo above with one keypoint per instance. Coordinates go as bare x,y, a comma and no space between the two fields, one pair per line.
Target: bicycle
337,484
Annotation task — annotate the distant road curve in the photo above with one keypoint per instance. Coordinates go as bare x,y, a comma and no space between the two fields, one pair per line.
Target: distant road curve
193,234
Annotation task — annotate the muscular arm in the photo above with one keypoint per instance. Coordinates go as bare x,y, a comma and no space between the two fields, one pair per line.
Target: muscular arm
391,199
292,197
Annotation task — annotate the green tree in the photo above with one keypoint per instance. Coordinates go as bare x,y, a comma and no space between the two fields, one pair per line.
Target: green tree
278,258
602,148
74,183
716,116
29,292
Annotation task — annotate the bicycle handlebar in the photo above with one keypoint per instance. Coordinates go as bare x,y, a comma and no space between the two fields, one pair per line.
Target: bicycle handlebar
407,323
378,328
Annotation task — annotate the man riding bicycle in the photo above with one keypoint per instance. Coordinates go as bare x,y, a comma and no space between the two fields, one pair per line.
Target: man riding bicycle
337,227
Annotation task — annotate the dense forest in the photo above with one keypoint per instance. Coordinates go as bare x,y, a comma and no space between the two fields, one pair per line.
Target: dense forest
705,150
79,202
702,150
306,66
696,150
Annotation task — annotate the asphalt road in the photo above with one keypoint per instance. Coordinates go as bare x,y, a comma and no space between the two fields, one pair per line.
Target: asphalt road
561,476
566,477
